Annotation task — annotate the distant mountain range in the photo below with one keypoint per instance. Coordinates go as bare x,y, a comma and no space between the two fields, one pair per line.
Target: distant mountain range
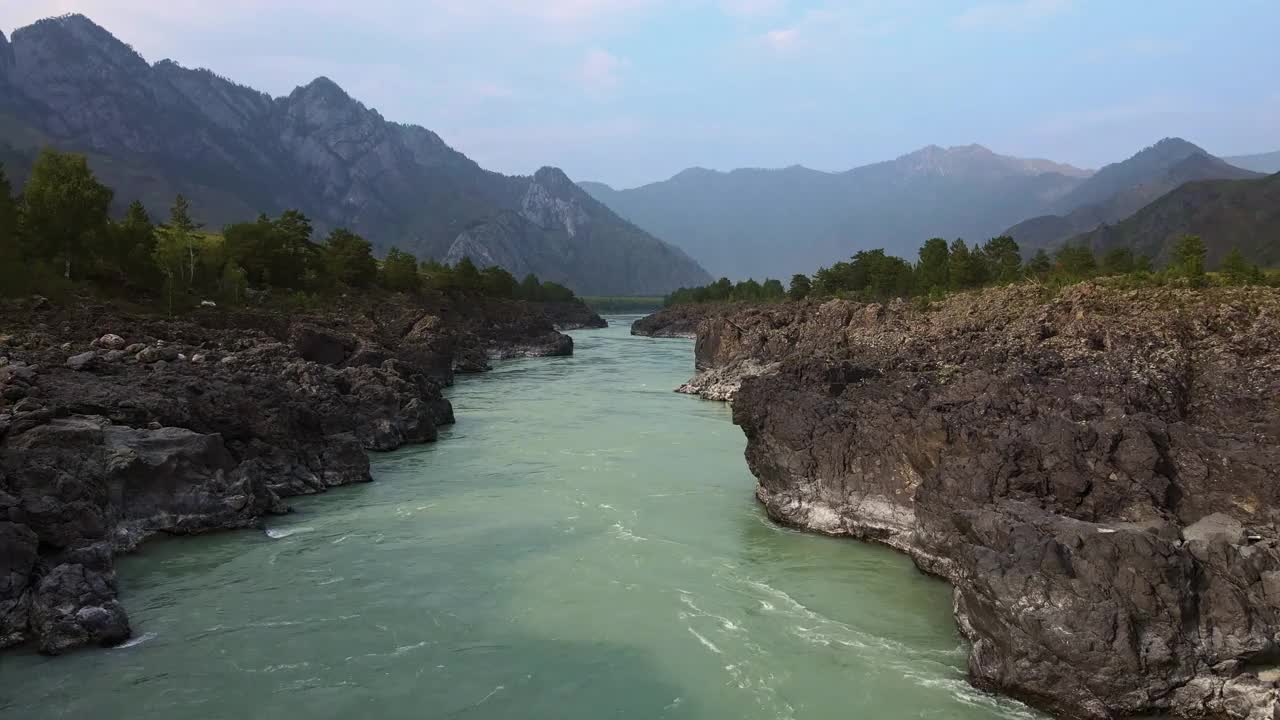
760,223
1227,214
774,222
1266,163
151,131
1119,190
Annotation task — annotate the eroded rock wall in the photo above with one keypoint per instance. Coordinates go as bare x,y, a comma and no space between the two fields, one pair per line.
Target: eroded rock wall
1094,472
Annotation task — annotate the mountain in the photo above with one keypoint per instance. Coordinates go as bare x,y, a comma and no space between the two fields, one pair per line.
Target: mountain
1119,190
756,222
1225,213
1264,163
561,233
151,131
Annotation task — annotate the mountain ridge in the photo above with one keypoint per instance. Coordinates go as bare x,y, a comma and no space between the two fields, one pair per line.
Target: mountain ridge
152,130
1121,189
773,222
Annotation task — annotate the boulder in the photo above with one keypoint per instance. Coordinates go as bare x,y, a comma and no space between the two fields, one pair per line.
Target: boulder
83,361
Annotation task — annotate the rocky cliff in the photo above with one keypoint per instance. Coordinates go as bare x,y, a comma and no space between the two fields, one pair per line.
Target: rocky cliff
151,131
116,427
1093,471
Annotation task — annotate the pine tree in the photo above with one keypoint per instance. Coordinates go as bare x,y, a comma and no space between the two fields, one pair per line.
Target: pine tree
1189,259
1235,269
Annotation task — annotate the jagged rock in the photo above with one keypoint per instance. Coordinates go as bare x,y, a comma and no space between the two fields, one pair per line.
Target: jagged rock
75,603
1093,472
95,463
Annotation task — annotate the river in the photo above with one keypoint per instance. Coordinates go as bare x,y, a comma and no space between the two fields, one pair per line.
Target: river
582,544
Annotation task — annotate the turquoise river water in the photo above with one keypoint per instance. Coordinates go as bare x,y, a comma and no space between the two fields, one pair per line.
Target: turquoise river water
584,543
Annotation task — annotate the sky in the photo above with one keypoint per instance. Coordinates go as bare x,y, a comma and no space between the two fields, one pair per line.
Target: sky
633,91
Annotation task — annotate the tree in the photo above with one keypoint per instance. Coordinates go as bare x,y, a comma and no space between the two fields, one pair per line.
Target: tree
1189,258
466,277
400,271
1076,262
1040,264
964,268
1119,261
495,281
295,255
933,269
772,290
184,230
8,220
1003,258
348,259
530,288
64,207
253,247
800,287
130,254
1239,272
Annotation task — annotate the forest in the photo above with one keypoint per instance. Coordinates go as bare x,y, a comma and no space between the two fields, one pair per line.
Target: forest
942,268
57,236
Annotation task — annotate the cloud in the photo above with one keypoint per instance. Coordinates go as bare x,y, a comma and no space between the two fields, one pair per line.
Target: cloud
1011,16
831,27
753,8
782,40
599,72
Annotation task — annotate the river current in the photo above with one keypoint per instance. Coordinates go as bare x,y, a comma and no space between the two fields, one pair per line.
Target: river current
583,544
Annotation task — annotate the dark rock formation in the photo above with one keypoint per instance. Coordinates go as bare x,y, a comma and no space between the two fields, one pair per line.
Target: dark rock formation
678,321
206,423
572,316
1093,472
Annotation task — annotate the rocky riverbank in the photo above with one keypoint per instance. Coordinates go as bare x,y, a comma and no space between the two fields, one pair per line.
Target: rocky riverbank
116,426
1094,471
679,321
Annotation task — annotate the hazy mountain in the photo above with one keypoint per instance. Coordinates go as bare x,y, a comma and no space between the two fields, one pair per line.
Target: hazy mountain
1121,189
754,222
151,131
561,233
1266,163
1225,213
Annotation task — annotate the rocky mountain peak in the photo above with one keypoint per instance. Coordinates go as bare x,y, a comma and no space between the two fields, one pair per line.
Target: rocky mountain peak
555,181
553,201
77,39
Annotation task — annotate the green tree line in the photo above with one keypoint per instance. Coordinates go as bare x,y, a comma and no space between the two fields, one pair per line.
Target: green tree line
58,234
942,267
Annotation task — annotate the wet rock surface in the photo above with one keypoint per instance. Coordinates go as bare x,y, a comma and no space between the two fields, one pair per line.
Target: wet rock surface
1093,470
117,427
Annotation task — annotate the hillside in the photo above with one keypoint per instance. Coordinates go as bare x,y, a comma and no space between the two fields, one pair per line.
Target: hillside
1225,213
757,222
151,131
1121,189
563,234
1267,163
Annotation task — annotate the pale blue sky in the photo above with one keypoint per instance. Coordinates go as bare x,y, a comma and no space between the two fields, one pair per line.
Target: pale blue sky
631,91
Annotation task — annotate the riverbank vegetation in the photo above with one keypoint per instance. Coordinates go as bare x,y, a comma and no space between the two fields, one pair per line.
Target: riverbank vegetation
942,268
57,236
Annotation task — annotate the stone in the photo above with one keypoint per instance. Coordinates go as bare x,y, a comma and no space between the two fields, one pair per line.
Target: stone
110,342
83,361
